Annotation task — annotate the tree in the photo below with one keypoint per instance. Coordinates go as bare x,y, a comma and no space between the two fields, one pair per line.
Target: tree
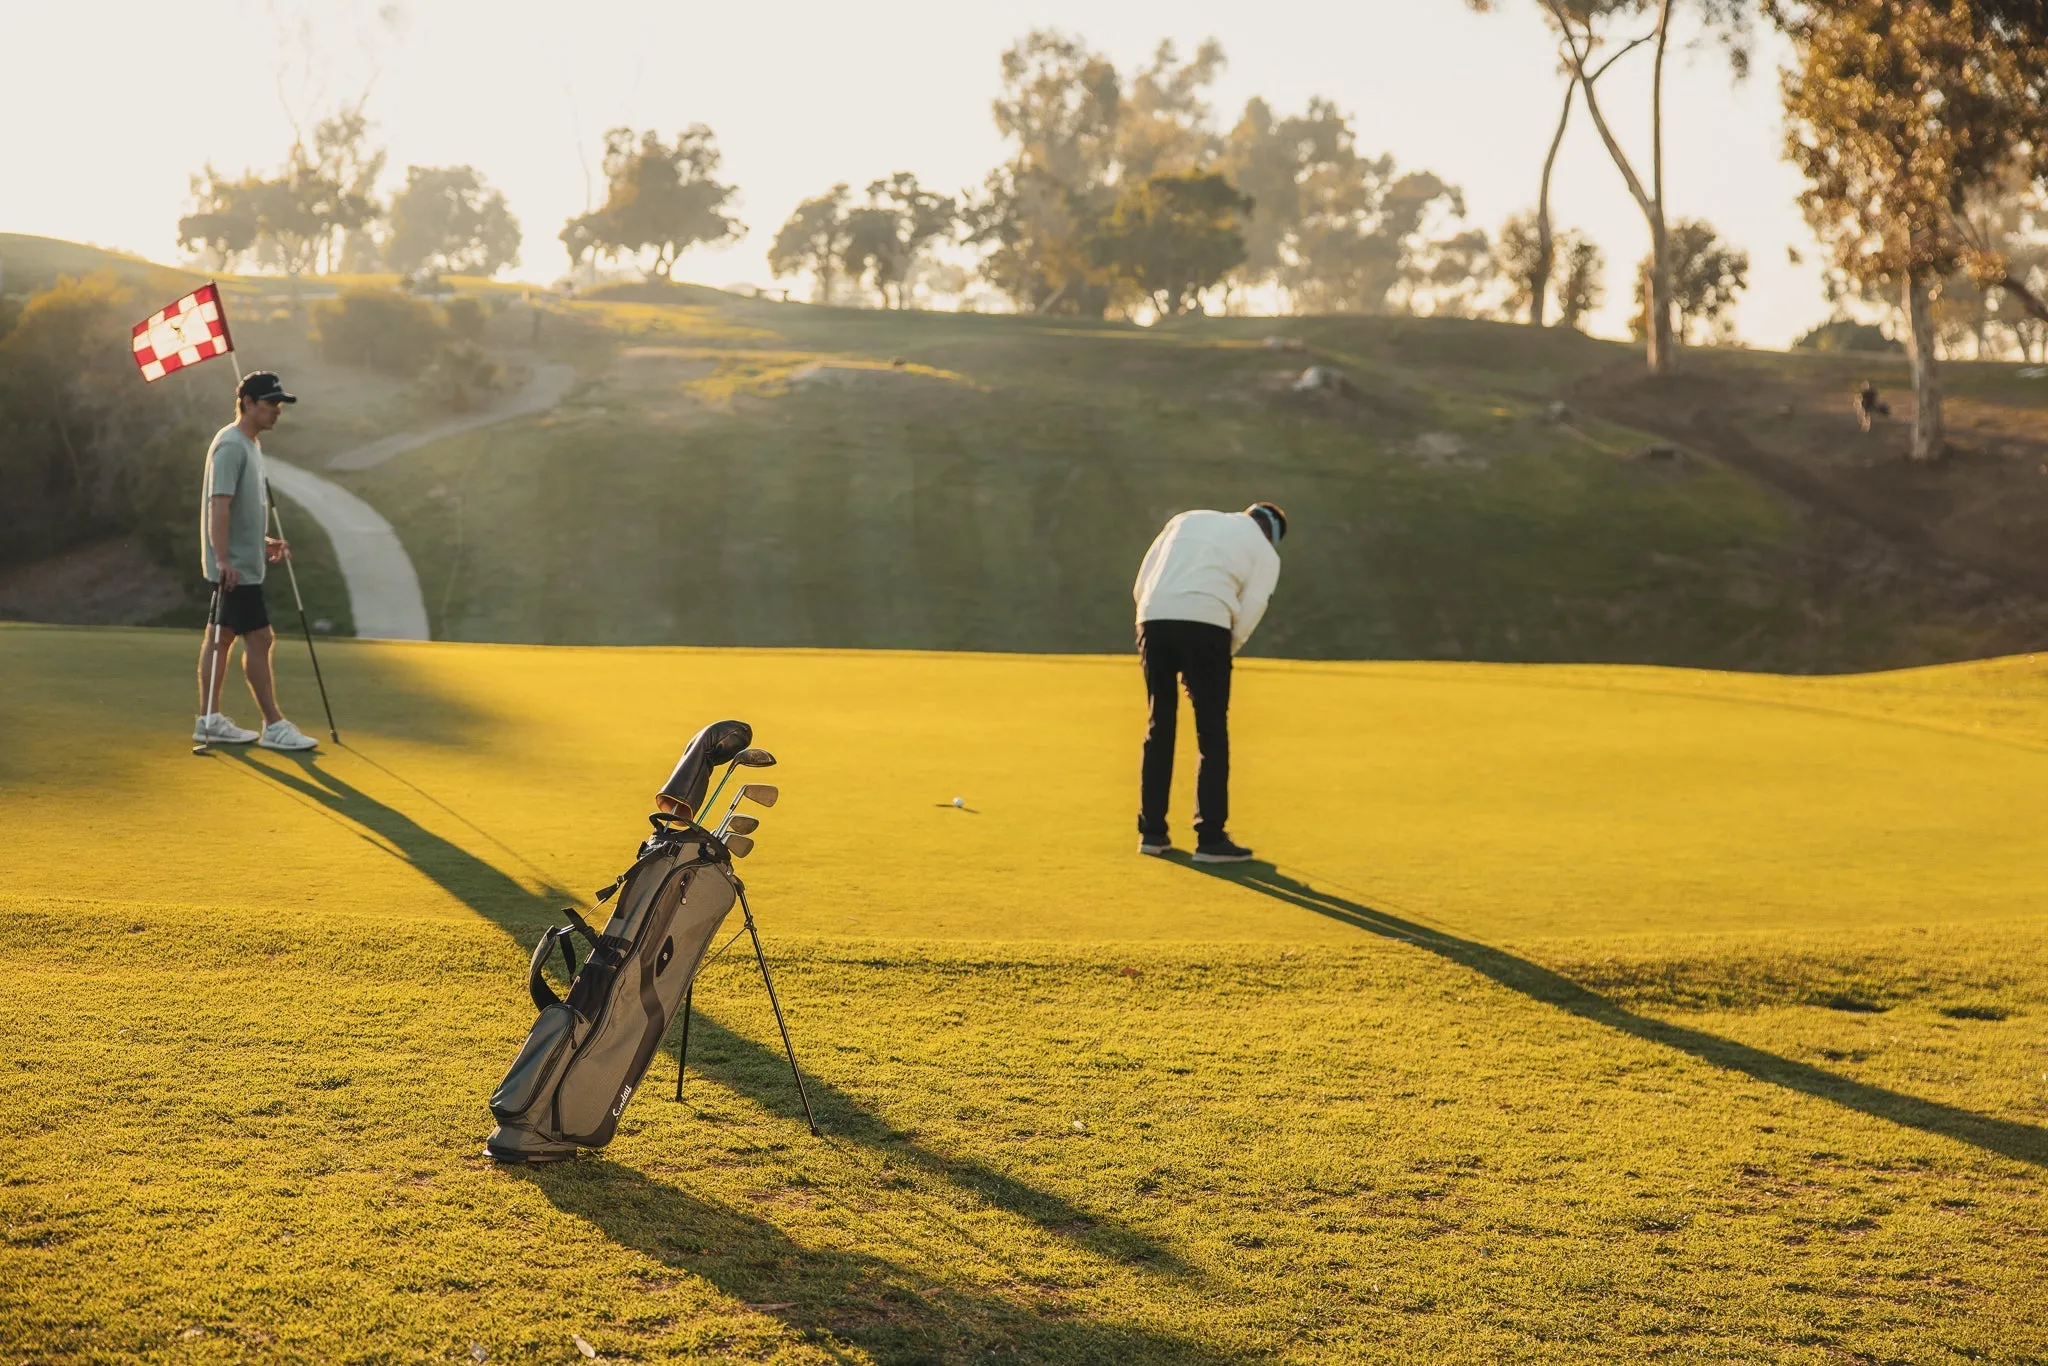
1059,108
1172,236
815,239
886,234
299,220
1339,231
1706,275
1581,281
1899,112
660,198
448,220
1583,26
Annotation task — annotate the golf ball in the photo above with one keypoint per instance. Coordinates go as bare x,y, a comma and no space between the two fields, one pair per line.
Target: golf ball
959,801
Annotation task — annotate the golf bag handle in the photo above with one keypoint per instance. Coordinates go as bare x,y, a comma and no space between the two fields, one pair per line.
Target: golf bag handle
536,983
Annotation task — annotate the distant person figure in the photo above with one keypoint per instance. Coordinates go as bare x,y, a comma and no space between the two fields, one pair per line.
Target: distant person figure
1200,592
1869,406
234,509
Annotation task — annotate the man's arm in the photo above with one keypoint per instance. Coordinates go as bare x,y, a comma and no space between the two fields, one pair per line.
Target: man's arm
1252,600
217,511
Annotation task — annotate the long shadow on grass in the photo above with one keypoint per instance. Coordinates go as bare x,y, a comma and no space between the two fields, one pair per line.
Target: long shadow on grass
760,1072
479,885
2020,1142
851,1299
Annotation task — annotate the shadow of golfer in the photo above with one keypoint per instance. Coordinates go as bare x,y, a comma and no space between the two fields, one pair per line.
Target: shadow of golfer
760,1072
857,1300
479,885
2007,1138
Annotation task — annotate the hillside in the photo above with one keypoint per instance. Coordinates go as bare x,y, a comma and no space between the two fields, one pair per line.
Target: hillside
735,471
1571,1014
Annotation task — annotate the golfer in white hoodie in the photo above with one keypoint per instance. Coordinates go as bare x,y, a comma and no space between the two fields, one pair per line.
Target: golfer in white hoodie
1201,591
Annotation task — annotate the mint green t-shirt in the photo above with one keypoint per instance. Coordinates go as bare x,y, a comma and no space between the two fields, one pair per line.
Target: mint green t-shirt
234,467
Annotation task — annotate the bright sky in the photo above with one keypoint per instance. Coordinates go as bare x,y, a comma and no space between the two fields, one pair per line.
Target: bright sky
131,96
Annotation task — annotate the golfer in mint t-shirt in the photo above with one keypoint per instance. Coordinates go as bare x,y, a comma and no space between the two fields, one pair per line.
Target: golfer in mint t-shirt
234,510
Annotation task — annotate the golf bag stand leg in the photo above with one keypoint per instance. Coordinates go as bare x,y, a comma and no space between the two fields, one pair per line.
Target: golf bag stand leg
683,1053
787,1046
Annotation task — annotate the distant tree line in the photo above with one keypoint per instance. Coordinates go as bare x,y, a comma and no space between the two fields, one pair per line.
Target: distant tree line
1122,193
320,213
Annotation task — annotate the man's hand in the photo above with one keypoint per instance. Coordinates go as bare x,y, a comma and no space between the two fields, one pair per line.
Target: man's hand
229,577
276,548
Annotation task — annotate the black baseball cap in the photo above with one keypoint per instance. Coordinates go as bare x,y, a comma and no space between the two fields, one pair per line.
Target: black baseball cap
261,384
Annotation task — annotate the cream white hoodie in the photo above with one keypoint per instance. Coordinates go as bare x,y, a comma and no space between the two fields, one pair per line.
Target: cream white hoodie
1216,567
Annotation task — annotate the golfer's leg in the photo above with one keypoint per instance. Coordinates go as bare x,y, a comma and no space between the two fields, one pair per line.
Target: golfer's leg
213,667
1207,669
1156,659
256,667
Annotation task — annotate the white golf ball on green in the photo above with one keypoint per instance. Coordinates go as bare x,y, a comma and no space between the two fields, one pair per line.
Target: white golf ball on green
959,801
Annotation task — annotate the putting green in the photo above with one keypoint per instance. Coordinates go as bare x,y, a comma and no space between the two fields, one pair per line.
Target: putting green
1496,801
1580,1014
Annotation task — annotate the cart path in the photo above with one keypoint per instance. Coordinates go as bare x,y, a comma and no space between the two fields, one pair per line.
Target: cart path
550,385
383,587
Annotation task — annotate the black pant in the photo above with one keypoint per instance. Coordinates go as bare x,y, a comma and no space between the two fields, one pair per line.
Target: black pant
1198,655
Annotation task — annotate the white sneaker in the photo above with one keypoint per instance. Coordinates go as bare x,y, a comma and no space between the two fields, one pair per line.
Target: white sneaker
217,729
285,735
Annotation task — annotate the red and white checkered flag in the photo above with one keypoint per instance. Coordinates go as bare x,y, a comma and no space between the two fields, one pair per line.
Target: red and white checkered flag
189,331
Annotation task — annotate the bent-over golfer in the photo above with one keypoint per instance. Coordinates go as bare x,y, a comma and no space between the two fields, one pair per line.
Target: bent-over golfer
234,511
1201,591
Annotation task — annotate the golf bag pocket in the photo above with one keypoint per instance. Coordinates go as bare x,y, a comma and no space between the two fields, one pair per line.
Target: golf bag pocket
531,1078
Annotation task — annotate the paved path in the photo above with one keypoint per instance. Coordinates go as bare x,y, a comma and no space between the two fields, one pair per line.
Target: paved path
383,588
549,386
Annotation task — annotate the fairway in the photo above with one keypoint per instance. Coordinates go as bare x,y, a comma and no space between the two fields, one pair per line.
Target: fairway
1572,1013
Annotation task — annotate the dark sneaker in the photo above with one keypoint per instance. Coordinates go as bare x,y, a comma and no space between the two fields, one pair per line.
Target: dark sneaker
1158,846
1222,850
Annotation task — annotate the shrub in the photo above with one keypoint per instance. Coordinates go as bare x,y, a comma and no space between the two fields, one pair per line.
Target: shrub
378,328
1844,335
86,448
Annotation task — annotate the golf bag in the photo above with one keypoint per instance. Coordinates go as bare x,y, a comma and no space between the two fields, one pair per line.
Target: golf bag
587,1053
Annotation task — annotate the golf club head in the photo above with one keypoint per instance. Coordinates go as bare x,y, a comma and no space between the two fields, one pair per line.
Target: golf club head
742,825
683,793
739,846
762,794
754,758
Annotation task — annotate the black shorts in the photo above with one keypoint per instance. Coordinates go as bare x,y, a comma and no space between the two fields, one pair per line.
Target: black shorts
241,608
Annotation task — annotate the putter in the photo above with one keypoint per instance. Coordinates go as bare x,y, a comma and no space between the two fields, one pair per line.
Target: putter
214,666
294,575
746,758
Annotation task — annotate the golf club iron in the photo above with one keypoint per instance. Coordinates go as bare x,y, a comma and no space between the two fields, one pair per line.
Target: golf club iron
739,846
739,825
746,758
214,667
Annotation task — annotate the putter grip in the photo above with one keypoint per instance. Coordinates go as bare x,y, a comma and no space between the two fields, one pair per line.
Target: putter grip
683,793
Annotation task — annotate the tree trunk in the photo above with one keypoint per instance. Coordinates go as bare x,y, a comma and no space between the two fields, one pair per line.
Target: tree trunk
1539,279
1663,352
1927,429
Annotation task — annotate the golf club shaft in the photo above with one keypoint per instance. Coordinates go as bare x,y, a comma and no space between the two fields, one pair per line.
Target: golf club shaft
293,574
215,666
723,778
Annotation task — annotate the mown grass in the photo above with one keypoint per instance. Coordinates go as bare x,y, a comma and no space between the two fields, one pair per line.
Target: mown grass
1581,1014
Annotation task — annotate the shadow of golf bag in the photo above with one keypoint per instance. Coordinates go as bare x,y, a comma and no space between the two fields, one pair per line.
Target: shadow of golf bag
588,1052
